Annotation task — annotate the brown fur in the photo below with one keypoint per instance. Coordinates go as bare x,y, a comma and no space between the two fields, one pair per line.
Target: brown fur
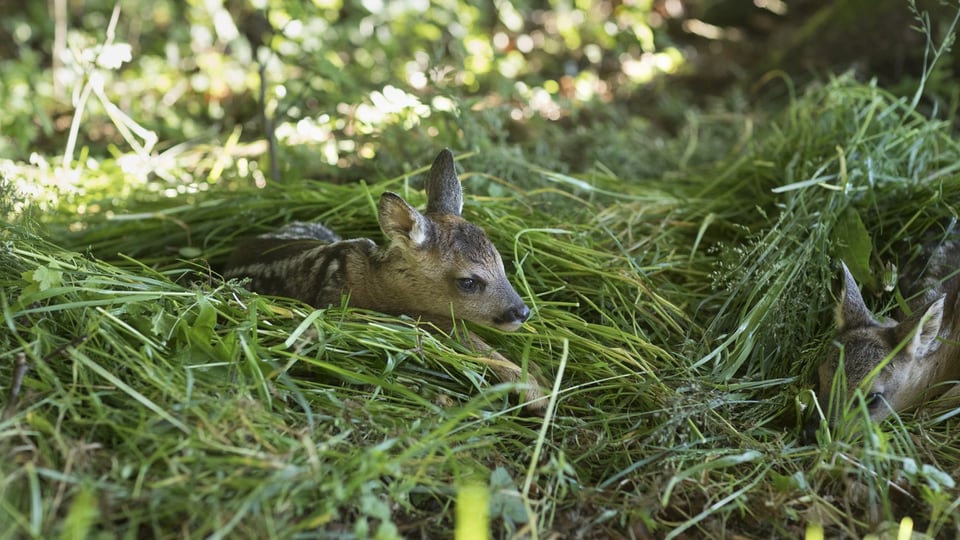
920,352
436,267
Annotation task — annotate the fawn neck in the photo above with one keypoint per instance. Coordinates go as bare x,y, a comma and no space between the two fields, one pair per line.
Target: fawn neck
377,279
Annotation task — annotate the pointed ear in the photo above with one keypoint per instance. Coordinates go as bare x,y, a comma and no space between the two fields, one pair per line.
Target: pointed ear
444,194
851,311
400,222
927,325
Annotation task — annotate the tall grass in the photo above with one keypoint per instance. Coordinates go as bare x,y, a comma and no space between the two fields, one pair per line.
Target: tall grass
682,315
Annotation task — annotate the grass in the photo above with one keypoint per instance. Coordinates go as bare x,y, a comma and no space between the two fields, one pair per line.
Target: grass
680,314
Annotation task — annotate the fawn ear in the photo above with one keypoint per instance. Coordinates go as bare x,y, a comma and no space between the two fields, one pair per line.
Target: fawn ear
852,312
925,327
444,194
400,222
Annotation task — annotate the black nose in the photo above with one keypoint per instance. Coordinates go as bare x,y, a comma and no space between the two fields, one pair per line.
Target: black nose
516,314
513,315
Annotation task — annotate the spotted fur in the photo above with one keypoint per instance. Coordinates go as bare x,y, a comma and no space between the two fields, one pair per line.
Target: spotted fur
436,266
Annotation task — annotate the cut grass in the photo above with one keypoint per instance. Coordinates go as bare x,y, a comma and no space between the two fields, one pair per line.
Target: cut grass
687,314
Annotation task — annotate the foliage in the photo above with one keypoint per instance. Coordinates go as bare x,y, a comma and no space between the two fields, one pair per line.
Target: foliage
340,77
679,277
676,313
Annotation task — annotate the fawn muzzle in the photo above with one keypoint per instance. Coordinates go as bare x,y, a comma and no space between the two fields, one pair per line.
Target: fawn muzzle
513,317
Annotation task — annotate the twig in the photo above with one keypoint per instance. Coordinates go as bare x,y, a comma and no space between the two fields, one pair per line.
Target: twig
59,43
20,368
81,104
256,27
267,122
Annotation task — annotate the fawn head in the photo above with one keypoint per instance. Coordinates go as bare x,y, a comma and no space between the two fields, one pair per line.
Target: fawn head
442,265
886,360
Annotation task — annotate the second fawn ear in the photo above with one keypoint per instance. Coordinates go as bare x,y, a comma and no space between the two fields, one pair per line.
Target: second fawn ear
444,194
400,222
852,312
926,325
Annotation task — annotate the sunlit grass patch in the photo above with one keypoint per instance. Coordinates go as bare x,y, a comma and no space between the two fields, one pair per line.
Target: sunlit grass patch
681,314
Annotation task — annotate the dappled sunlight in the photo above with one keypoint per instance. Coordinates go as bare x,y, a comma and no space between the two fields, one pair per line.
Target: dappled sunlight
667,189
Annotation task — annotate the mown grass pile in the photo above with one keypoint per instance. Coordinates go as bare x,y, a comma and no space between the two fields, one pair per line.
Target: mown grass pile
680,315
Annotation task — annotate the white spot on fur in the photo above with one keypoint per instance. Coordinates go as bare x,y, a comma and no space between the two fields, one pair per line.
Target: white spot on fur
332,270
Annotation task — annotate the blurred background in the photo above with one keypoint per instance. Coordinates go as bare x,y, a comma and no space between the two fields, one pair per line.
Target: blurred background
358,86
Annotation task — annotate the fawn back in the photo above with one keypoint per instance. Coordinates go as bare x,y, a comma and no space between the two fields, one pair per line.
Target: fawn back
436,265
898,365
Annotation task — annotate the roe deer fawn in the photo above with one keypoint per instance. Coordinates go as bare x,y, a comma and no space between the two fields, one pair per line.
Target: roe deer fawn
921,353
436,266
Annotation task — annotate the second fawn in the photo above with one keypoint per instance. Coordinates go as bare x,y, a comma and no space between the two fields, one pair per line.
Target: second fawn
436,267
899,365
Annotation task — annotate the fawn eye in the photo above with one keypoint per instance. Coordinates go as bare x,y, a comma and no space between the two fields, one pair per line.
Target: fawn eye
469,285
873,400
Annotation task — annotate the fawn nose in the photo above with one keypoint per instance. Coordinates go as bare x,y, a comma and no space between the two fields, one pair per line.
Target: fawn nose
519,314
513,317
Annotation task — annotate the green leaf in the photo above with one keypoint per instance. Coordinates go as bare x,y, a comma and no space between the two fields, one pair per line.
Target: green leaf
207,317
937,479
162,323
83,512
853,245
43,278
189,252
505,500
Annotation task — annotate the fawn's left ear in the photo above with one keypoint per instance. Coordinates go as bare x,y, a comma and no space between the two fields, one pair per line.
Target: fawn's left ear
852,311
400,222
444,194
